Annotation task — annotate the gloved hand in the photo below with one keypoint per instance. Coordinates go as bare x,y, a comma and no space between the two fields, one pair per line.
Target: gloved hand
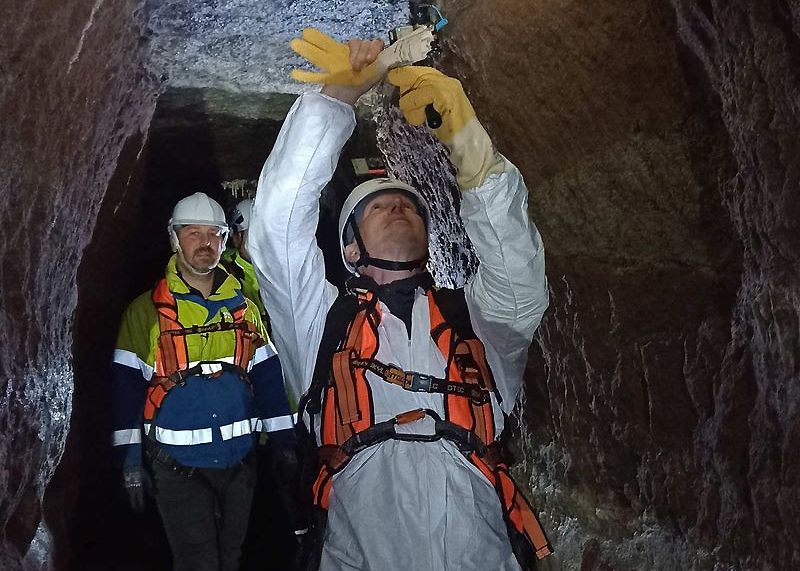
350,64
420,86
137,485
471,149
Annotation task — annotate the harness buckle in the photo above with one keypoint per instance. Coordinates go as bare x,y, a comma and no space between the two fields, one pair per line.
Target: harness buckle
419,382
479,396
179,378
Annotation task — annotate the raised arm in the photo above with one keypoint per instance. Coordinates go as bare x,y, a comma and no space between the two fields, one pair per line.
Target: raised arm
508,295
288,262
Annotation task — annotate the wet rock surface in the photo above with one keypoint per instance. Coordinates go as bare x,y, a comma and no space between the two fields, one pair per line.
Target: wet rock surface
659,142
72,92
659,145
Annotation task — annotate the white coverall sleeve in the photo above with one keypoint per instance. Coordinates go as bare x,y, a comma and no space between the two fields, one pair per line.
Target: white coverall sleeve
508,295
288,262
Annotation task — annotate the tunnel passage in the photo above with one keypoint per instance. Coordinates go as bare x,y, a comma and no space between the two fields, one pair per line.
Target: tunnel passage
207,141
663,423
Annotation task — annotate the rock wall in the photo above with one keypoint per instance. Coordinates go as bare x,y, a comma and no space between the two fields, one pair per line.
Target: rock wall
659,145
751,53
72,92
243,45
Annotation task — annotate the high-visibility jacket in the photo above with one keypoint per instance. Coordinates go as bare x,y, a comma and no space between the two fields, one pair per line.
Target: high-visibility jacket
399,505
235,388
243,271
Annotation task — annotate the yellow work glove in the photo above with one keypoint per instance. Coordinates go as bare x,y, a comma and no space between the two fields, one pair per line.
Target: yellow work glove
420,86
330,56
471,149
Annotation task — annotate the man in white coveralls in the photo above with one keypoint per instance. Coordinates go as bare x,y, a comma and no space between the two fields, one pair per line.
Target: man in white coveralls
406,385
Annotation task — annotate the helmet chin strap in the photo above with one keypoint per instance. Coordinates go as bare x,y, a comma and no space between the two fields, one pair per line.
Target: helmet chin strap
190,267
365,259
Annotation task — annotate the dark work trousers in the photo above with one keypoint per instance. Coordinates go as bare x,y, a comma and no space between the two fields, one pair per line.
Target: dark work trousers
205,514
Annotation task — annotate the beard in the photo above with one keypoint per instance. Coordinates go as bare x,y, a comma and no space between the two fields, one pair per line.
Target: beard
202,260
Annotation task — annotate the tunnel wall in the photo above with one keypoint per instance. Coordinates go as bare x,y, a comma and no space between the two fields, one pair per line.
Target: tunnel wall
72,92
659,142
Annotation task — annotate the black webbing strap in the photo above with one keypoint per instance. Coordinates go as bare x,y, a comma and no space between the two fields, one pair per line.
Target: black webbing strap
466,440
211,328
422,383
155,453
179,377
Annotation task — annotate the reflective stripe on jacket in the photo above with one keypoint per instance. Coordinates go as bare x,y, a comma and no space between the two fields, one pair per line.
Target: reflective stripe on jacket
208,420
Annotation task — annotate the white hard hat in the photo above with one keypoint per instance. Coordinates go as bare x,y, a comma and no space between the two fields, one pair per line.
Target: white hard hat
240,217
198,208
367,190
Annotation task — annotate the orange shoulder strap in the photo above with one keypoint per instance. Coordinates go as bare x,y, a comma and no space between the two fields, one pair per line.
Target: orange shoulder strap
466,362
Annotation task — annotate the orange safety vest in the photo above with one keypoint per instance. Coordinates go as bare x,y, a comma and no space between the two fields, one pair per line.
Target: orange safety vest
348,423
172,354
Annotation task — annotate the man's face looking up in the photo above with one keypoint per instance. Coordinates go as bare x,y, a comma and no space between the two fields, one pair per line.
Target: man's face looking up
392,229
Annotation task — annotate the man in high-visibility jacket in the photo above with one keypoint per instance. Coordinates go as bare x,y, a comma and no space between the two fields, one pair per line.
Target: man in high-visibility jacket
409,387
237,258
194,377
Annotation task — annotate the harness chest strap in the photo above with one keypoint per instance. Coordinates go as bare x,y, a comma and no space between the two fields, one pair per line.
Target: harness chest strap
172,354
419,382
347,401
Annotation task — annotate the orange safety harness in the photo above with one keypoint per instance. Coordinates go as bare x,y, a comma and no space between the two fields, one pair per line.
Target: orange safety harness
345,402
172,354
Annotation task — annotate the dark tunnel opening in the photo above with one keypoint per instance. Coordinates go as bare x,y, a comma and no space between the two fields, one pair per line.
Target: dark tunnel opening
193,145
